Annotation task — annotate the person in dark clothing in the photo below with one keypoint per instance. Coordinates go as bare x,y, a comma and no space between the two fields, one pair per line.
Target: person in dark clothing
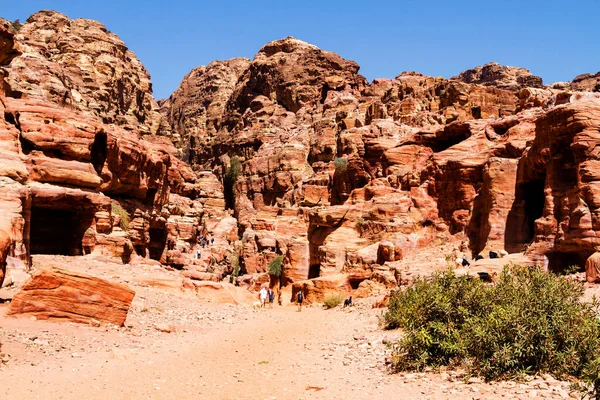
271,295
299,299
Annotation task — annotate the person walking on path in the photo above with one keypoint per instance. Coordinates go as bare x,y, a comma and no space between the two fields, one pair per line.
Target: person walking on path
271,295
263,296
299,299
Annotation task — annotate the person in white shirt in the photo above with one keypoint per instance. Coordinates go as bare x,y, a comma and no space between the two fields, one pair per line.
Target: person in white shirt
263,296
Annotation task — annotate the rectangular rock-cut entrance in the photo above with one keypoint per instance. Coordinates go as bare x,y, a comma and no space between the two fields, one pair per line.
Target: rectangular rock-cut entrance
57,231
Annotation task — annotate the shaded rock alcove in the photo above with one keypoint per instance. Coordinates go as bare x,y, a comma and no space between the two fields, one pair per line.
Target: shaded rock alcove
58,231
527,208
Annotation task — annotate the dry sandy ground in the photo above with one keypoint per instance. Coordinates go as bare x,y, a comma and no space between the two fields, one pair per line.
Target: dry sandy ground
224,352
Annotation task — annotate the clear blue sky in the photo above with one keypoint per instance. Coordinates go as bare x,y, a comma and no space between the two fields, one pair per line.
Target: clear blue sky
554,39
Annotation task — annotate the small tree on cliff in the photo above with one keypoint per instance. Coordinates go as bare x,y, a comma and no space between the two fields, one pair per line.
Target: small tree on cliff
275,268
123,215
341,165
16,25
231,176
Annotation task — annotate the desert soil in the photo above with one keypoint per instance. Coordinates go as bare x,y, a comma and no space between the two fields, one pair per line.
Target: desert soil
175,346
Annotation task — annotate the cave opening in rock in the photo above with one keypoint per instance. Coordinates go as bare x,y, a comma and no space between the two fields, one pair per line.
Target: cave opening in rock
355,282
314,271
527,208
150,196
140,250
158,241
57,231
99,152
534,198
561,261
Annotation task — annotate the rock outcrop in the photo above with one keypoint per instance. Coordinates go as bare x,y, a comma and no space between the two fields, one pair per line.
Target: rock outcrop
375,181
197,106
54,294
359,186
503,77
81,65
83,166
586,83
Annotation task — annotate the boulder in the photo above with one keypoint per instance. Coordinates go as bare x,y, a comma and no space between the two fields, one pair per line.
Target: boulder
315,290
223,292
60,295
388,251
592,268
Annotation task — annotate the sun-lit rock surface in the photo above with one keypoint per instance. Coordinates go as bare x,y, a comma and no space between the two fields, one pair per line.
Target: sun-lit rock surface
332,165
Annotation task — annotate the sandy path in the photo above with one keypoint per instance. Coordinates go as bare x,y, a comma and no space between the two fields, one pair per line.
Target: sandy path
270,354
274,354
219,352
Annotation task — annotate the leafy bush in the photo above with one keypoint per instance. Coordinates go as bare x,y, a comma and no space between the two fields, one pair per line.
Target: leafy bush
332,300
528,322
235,263
124,215
341,164
275,266
234,170
16,25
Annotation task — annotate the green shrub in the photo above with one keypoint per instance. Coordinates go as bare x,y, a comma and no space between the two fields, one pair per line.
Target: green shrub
275,266
333,300
341,164
235,263
234,170
124,215
16,25
528,322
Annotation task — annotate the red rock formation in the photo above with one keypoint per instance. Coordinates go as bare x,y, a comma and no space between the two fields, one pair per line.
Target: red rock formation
82,169
82,65
331,166
293,153
494,74
587,82
65,296
7,43
556,204
208,87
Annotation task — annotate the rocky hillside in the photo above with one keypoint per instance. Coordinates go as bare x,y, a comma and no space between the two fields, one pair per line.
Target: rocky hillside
362,184
359,186
83,168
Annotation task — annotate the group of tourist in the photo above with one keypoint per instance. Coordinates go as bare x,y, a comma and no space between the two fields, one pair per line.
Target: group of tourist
265,294
204,241
268,294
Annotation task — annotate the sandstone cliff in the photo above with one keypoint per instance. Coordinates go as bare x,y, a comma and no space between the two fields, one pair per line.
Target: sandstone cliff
83,166
358,185
378,180
80,65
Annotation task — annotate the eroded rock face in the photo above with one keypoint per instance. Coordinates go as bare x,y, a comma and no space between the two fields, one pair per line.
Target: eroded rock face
7,43
81,65
196,107
339,175
587,83
83,169
294,153
54,294
503,77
